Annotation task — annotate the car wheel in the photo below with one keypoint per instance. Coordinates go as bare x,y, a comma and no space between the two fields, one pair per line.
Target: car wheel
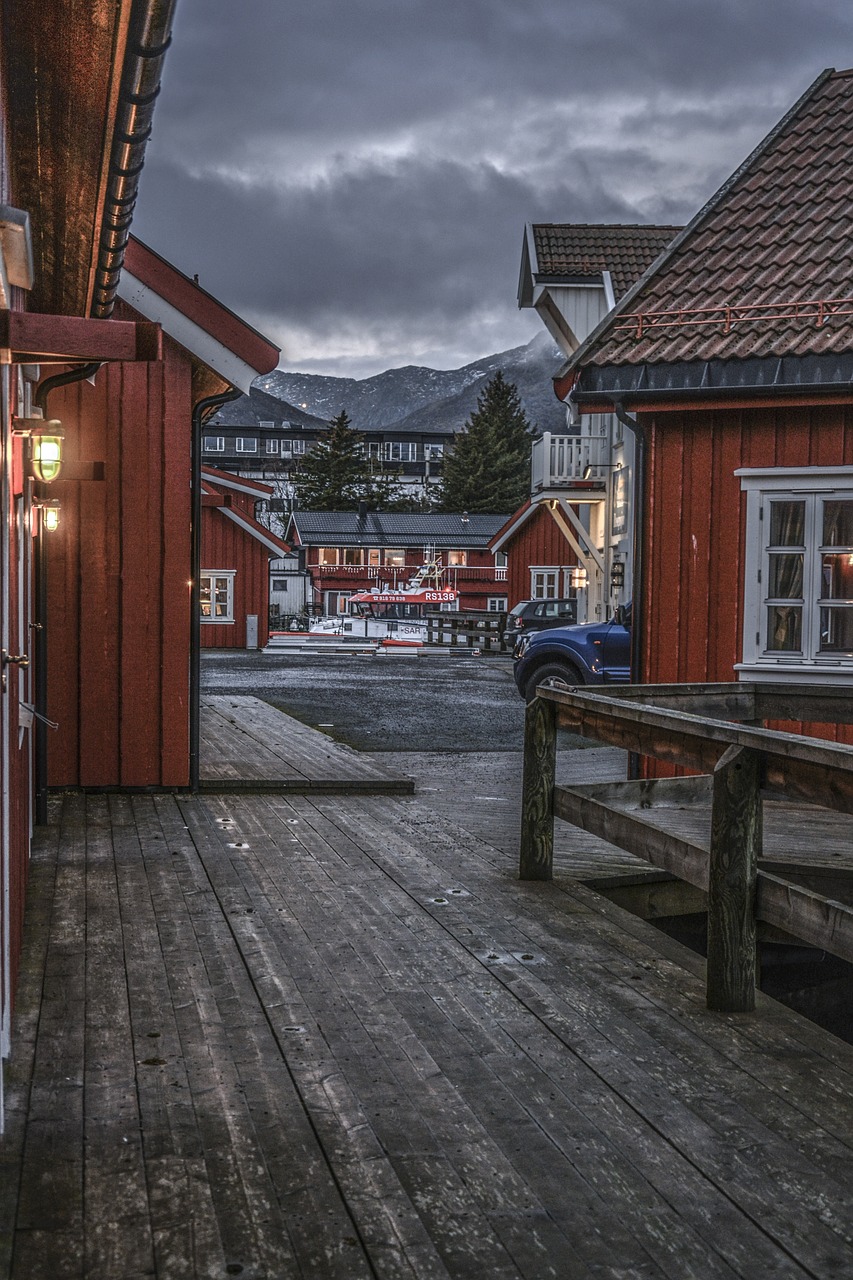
557,675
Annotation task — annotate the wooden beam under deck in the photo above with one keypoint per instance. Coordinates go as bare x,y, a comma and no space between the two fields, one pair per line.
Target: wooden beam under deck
29,338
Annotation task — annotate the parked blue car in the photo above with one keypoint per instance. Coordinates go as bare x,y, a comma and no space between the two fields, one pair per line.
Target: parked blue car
593,653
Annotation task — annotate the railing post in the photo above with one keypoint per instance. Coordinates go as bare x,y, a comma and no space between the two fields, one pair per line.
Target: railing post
536,860
735,850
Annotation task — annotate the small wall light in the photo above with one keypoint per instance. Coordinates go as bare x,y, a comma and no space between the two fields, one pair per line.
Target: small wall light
578,577
46,439
617,574
49,508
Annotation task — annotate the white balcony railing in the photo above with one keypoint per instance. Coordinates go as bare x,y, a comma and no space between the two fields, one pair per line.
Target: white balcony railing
558,462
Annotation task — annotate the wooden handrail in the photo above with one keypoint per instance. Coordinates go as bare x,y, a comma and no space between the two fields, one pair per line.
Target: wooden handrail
743,760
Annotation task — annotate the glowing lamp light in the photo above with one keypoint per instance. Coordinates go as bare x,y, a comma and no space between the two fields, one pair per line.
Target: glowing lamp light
46,451
578,577
49,509
45,439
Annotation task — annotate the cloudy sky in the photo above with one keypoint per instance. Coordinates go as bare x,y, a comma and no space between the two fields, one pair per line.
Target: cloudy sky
353,176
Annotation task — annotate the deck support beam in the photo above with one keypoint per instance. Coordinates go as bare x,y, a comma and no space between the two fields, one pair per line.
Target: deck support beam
733,872
536,860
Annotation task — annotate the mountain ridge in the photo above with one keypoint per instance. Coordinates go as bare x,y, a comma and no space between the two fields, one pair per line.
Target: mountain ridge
419,399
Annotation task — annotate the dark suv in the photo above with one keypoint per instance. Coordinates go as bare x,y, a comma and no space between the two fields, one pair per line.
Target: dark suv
596,653
535,615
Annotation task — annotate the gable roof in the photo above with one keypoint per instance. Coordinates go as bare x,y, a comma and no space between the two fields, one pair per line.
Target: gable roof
213,482
393,529
194,318
774,243
571,253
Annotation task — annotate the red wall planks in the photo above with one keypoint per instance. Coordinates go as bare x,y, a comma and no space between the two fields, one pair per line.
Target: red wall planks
118,639
226,546
538,543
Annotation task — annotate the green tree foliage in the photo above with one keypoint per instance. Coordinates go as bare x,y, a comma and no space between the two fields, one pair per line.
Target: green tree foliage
335,475
488,469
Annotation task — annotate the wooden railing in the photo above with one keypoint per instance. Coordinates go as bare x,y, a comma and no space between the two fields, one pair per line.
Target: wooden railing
715,729
561,460
466,630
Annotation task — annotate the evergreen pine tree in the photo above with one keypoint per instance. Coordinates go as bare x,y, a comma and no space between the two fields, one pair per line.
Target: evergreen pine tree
488,469
335,475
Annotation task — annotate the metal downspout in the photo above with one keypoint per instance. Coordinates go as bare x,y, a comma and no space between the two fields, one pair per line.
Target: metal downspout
148,40
201,411
41,613
638,569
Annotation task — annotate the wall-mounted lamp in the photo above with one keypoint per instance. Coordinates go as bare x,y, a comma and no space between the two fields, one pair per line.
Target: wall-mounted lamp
578,577
49,508
599,466
45,439
617,575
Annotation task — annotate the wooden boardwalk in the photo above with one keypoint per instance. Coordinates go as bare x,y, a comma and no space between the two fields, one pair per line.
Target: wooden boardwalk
334,1037
248,745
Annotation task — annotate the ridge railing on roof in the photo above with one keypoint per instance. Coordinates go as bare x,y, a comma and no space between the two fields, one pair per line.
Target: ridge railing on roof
818,310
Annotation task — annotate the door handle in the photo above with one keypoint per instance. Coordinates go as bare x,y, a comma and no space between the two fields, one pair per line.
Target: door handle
6,660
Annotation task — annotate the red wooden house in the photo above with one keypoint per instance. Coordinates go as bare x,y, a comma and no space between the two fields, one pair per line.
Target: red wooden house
119,568
235,554
541,562
733,360
104,600
351,551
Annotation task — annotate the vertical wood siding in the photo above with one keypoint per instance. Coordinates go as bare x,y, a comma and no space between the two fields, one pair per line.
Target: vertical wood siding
539,542
225,546
118,599
695,527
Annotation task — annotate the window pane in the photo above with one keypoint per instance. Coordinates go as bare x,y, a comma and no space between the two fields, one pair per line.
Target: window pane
787,524
786,577
836,630
785,628
837,576
838,524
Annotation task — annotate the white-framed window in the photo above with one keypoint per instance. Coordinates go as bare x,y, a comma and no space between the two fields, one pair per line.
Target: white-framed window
272,446
501,566
267,425
798,572
457,559
214,444
217,595
327,555
496,604
544,584
401,451
246,444
278,584
433,451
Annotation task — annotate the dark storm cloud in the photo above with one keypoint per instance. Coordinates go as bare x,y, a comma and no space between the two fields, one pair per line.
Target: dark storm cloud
355,177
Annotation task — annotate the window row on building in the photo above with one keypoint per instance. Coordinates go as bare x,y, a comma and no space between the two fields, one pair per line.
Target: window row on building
279,447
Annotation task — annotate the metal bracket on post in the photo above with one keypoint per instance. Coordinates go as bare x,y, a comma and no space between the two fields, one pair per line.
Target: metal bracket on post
735,849
536,860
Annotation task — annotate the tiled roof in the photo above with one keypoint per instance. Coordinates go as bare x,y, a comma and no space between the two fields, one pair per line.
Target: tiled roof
394,529
581,249
777,235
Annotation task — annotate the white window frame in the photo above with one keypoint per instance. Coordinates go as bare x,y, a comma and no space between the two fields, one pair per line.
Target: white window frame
272,446
297,446
496,604
544,582
814,486
214,575
401,451
213,444
246,444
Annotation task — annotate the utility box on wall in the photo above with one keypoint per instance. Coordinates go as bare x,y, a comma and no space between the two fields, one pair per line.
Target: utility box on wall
251,631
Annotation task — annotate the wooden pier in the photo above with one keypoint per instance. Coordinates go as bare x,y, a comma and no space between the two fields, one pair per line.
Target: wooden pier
248,745
334,1037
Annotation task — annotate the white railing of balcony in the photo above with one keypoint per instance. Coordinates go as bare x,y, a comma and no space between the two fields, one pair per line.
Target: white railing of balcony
562,460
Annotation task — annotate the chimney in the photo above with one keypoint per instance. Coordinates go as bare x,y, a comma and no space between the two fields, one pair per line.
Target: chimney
362,511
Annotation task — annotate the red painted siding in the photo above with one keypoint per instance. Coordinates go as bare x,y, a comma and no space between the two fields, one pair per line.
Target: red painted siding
695,531
224,545
118,640
539,542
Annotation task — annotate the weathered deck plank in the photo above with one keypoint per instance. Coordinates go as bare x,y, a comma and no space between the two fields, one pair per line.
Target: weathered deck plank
248,745
343,1040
